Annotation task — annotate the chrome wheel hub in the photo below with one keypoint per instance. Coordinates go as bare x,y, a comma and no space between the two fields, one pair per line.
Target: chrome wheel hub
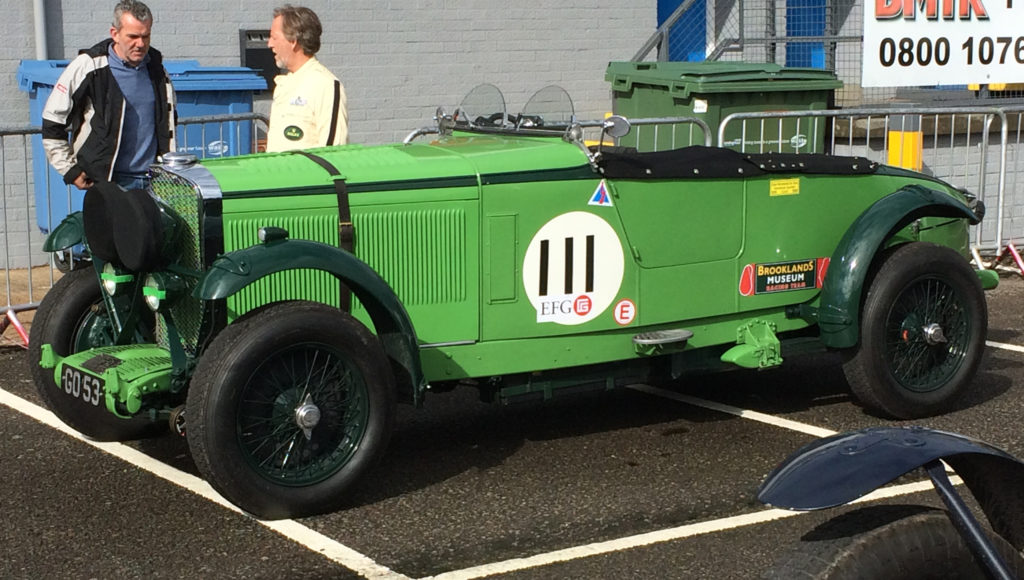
933,334
307,416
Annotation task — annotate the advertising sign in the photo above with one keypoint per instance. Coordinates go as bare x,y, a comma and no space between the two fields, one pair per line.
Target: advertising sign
942,42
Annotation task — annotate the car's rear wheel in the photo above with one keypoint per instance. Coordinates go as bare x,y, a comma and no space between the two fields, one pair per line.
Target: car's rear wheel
72,317
288,407
889,542
922,334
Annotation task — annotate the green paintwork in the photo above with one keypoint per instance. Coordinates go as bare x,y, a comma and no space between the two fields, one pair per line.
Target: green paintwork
989,279
464,156
69,232
48,359
758,346
483,255
839,312
143,370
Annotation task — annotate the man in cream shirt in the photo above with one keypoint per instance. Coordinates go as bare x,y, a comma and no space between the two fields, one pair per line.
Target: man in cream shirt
309,101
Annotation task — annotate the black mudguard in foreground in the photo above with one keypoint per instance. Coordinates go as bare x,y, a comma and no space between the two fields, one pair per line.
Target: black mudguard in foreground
842,468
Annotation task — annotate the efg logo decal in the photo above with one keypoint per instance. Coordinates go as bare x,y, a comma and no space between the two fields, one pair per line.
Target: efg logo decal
783,276
293,133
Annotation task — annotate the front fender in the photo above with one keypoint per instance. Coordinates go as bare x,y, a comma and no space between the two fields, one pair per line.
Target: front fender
839,310
69,232
839,469
234,271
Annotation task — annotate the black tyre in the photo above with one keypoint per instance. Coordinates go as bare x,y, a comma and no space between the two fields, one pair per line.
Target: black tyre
288,407
880,542
923,329
72,318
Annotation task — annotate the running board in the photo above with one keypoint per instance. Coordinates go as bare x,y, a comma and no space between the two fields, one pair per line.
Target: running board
649,342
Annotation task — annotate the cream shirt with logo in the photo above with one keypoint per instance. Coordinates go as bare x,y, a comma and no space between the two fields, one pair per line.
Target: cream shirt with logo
308,110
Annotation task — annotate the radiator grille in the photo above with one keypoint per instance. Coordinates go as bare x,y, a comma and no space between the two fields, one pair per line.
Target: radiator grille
183,197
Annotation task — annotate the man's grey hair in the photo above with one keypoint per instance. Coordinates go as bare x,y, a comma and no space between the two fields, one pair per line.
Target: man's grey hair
137,9
302,25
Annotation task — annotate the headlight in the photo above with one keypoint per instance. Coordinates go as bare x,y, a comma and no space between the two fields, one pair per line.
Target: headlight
112,280
153,293
161,289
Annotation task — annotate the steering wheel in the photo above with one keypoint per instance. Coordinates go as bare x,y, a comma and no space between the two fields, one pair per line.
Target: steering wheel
529,121
494,120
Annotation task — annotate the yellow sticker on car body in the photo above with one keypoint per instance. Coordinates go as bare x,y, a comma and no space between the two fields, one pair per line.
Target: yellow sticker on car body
784,187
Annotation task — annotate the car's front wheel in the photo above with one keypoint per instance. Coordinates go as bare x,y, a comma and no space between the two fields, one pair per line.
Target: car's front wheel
923,329
288,407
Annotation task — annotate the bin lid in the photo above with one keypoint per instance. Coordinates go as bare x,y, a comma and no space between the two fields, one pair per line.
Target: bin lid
684,78
186,75
32,73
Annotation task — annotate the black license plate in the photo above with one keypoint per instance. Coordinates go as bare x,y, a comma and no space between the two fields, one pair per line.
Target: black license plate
81,385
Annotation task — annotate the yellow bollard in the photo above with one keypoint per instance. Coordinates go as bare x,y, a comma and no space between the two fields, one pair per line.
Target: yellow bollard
905,142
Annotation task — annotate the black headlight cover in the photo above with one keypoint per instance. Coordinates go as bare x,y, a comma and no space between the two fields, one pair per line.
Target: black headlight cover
130,228
97,221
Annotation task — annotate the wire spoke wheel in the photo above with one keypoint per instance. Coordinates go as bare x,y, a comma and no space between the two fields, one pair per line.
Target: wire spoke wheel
289,406
922,333
302,415
928,330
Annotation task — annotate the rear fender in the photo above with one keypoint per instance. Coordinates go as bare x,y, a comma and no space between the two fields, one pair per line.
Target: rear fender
234,271
839,469
839,310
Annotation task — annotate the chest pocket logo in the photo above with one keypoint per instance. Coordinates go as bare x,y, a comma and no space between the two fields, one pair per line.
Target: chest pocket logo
293,133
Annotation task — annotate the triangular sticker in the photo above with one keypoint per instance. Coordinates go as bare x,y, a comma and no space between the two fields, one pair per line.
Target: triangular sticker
601,196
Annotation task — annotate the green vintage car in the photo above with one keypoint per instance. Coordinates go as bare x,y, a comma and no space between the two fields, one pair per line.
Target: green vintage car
285,303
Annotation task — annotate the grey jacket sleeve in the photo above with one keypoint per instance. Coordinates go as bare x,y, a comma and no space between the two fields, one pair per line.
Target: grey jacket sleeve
57,116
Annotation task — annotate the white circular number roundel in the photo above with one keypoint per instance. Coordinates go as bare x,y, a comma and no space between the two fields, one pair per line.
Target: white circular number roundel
573,268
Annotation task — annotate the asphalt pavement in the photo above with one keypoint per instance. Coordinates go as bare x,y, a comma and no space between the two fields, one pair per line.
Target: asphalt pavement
635,483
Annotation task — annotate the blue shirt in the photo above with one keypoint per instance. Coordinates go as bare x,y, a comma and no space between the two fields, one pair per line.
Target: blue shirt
137,150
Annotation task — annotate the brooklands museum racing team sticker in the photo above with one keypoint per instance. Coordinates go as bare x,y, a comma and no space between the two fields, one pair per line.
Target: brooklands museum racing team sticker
783,276
573,268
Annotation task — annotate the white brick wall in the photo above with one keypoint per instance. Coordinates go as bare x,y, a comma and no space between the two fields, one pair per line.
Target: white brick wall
398,59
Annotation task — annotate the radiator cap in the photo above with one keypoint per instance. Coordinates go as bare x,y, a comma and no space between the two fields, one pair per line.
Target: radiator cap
178,160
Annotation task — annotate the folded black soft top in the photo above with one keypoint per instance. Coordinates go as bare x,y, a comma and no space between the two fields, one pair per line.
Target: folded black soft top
699,162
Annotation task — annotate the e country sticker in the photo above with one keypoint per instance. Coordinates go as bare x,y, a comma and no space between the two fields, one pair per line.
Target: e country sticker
783,276
625,312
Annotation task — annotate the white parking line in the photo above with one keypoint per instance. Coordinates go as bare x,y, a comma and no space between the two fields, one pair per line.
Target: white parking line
752,415
640,540
294,531
690,530
1004,346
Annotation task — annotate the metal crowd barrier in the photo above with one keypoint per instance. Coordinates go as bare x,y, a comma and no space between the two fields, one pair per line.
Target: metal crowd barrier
974,148
244,130
28,272
652,133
